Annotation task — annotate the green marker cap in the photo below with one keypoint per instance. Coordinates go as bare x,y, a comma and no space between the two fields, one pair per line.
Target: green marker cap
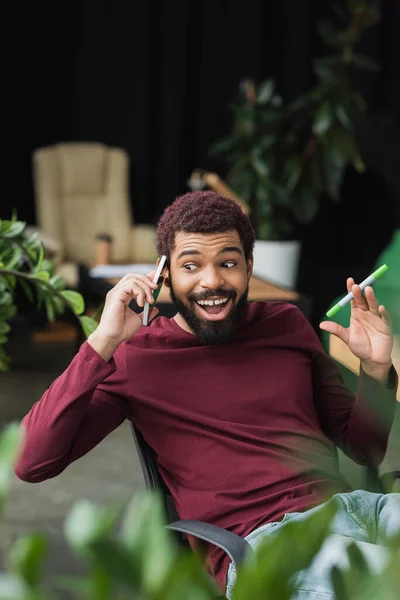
332,311
380,271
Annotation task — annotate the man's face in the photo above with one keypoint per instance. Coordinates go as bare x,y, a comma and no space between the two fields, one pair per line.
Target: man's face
209,279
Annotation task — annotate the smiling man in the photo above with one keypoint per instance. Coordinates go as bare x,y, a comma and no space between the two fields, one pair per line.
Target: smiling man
239,401
211,289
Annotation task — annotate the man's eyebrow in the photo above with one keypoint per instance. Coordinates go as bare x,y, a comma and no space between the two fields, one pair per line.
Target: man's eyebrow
188,253
230,249
222,251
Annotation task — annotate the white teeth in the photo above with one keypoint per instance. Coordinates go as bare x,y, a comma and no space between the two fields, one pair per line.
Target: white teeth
212,302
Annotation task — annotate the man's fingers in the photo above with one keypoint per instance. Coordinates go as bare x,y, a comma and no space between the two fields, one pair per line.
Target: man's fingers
137,277
140,299
133,289
359,300
385,315
335,329
349,285
371,300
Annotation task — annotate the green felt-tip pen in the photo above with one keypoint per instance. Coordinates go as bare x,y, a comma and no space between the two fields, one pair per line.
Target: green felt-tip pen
369,281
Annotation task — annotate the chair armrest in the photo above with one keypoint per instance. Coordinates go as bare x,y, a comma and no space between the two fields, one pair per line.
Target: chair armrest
143,246
236,547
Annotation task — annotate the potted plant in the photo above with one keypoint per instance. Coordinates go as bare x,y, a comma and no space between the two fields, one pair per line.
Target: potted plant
284,159
23,263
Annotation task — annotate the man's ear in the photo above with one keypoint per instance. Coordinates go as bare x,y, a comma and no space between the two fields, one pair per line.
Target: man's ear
167,281
250,267
164,273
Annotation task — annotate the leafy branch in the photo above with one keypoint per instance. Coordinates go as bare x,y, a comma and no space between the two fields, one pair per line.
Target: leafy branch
284,158
22,261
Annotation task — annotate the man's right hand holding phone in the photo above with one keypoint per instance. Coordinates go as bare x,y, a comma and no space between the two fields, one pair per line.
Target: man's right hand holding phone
118,322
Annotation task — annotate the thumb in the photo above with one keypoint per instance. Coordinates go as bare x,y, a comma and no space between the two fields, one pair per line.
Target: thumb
335,329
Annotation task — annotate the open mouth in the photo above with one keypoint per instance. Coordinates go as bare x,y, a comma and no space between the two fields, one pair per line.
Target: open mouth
214,309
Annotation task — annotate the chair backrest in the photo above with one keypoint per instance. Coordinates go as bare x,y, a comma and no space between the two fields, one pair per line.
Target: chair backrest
81,190
153,479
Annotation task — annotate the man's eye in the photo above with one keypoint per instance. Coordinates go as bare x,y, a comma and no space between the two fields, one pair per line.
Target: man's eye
189,267
229,264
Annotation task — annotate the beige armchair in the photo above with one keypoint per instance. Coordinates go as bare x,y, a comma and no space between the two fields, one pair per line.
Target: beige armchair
82,190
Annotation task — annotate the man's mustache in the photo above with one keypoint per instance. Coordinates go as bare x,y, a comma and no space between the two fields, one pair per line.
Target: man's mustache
211,294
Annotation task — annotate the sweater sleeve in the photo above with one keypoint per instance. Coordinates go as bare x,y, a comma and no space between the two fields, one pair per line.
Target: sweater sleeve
358,424
81,407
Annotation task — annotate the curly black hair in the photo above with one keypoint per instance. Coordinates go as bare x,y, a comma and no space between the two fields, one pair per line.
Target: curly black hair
203,212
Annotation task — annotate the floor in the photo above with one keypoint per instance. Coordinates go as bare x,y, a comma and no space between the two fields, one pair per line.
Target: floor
110,472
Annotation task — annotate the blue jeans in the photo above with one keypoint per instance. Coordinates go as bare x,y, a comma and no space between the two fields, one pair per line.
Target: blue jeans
363,517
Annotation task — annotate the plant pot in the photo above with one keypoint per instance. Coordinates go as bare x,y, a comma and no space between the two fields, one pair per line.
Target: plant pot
277,262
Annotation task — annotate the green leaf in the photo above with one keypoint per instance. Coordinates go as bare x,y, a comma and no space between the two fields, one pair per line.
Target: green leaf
41,257
4,327
364,62
75,301
79,585
50,310
323,119
10,441
27,558
4,367
328,33
282,554
258,163
14,230
325,68
359,164
48,266
115,560
265,91
87,522
15,259
293,172
263,202
338,583
305,205
336,152
57,282
10,281
59,305
343,116
223,146
143,532
88,325
25,285
243,181
40,276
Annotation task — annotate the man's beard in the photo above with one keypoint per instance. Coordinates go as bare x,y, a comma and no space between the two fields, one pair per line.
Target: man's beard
211,332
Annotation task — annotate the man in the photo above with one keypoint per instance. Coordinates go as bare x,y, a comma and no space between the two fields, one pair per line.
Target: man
239,401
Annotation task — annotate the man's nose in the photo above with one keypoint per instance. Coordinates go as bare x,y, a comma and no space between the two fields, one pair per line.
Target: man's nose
211,278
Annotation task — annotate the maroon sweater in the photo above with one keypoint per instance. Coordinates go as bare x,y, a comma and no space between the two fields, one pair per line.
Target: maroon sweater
244,431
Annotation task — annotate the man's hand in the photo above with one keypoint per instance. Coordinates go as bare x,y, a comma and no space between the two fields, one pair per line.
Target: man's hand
369,335
118,322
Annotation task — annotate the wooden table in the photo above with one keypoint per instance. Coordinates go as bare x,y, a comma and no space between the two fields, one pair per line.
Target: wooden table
341,353
259,289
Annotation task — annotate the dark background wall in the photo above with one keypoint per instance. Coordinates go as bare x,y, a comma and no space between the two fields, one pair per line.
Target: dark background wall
157,77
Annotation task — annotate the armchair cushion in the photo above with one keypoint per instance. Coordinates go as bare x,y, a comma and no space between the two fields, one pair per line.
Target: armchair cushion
143,248
82,168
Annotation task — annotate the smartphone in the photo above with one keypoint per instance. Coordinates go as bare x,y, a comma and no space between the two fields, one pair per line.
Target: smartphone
155,293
